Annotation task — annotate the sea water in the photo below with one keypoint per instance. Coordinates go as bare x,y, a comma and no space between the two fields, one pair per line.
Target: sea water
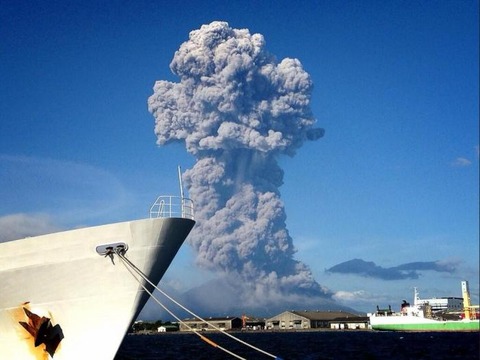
304,345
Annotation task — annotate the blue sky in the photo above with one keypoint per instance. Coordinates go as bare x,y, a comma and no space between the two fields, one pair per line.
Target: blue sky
394,180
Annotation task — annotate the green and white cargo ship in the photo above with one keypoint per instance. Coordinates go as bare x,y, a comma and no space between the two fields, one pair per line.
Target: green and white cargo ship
420,317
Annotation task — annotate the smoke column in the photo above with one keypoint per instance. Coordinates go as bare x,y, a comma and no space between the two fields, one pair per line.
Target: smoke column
237,110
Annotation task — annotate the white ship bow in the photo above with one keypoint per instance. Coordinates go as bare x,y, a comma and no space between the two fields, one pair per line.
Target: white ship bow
61,298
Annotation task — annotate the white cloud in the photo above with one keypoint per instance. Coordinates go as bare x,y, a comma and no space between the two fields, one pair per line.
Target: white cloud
461,162
18,226
364,300
351,296
69,192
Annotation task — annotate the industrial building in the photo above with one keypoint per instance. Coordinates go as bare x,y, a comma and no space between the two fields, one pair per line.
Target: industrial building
222,323
293,320
250,322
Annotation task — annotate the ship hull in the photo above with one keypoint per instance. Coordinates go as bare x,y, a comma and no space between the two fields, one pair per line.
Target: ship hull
405,323
89,300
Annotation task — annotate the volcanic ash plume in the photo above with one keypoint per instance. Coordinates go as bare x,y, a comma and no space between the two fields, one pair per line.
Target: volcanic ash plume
237,109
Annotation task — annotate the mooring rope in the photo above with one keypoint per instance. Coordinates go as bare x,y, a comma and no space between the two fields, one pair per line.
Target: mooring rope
126,262
208,341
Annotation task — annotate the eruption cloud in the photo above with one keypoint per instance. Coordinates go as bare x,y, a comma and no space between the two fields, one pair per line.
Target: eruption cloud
237,110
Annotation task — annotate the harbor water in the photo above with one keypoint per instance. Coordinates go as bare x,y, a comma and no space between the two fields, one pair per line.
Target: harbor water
304,345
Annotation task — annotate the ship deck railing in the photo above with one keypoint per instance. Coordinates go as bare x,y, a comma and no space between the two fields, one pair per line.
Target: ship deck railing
167,206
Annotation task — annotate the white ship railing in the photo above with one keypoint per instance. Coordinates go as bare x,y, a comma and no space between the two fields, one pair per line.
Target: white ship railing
172,206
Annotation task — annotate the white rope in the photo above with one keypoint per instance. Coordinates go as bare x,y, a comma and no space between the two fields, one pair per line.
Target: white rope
143,276
172,314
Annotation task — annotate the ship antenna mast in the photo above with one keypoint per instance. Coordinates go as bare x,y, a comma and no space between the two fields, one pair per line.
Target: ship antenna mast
415,297
181,191
180,181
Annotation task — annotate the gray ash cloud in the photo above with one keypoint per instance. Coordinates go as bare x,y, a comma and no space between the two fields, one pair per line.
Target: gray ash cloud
237,110
410,270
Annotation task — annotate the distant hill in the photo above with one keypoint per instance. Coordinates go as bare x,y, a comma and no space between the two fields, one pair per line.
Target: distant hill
220,298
